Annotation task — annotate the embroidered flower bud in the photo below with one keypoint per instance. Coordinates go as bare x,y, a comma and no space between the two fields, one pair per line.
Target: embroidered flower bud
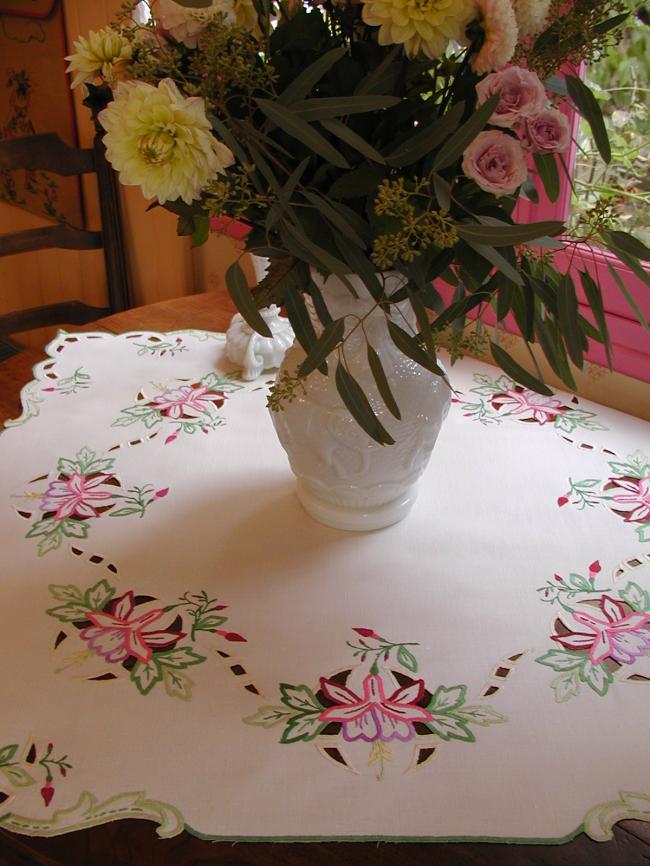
229,635
562,500
47,792
367,632
595,567
160,494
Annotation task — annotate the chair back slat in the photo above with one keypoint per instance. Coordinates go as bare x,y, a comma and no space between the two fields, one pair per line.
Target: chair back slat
46,152
59,237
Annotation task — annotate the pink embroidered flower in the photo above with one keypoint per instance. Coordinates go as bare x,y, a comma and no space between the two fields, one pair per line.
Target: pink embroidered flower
74,496
118,635
496,162
374,716
636,499
187,401
619,636
547,132
521,95
529,405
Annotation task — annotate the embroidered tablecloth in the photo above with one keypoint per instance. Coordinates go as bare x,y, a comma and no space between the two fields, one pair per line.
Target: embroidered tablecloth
181,643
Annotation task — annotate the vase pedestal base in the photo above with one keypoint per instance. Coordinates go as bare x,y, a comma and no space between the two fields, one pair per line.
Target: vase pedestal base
356,519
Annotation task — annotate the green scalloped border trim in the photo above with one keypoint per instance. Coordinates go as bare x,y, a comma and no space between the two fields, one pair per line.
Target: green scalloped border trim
600,820
29,396
89,812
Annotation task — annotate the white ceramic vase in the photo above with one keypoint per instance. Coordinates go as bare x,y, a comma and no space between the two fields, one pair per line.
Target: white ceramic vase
345,479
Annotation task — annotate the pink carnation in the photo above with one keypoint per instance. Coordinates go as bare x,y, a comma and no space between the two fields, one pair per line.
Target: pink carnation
496,162
547,132
521,95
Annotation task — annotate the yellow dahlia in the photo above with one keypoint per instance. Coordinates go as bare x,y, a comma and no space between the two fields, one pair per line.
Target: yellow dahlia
162,141
421,26
532,16
103,54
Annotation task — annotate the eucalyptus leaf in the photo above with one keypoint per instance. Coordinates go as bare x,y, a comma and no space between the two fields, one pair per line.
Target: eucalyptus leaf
243,299
302,324
588,106
517,372
505,236
359,407
547,170
347,135
328,340
567,303
595,300
409,345
298,128
337,106
303,84
379,375
463,137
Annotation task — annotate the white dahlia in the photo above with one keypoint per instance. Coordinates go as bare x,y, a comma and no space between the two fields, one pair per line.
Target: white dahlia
103,54
186,24
531,15
162,141
421,26
497,19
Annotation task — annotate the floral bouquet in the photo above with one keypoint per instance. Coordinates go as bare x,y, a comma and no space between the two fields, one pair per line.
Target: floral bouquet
359,137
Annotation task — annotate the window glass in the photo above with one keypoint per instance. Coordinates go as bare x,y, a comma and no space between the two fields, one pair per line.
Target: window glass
621,82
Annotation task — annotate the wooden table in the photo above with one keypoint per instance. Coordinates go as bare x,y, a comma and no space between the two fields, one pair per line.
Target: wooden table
134,843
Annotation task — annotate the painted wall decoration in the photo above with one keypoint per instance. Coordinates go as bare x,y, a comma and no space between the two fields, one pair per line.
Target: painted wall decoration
35,98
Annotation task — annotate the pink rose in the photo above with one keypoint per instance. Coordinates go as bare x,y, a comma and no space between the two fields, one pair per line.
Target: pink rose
521,95
547,132
496,161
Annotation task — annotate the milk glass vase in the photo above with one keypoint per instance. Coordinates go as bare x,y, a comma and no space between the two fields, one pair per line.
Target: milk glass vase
346,480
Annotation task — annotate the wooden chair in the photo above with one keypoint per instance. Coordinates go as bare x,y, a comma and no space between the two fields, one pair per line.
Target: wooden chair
49,153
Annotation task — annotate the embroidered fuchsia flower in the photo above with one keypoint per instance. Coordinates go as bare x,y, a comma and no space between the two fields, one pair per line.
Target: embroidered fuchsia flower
74,496
119,634
529,405
616,635
636,499
374,716
187,401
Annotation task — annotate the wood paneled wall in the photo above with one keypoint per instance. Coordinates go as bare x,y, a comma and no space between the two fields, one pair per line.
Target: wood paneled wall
162,265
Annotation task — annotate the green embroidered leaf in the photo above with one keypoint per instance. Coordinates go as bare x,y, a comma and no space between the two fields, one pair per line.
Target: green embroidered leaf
98,596
84,458
43,527
209,622
451,728
302,728
67,592
145,676
74,528
151,419
181,657
566,685
561,660
177,685
481,715
637,598
643,532
637,466
580,583
300,698
73,611
66,467
268,717
596,676
406,658
443,700
124,512
220,383
17,776
50,542
7,753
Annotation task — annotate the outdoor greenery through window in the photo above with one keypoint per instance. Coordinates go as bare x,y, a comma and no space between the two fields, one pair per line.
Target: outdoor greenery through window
621,83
